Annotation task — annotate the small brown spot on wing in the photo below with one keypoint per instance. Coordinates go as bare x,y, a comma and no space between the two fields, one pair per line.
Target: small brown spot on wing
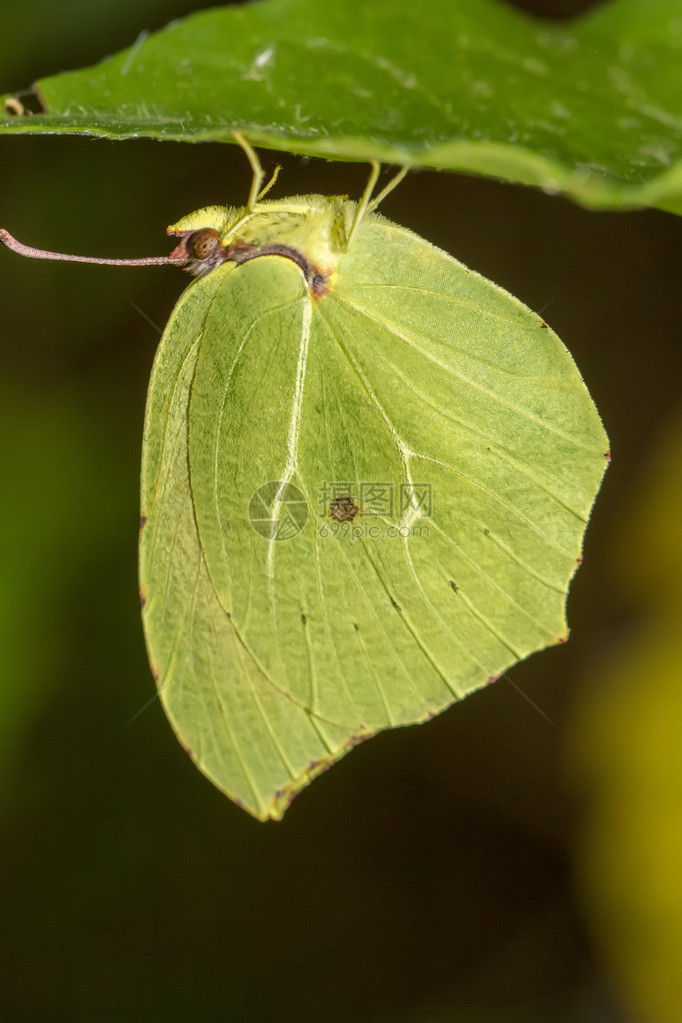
344,509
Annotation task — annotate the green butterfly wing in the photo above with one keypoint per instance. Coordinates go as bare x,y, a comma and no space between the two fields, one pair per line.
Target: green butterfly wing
459,424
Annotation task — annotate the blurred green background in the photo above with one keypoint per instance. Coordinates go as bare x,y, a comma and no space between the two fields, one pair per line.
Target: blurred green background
485,868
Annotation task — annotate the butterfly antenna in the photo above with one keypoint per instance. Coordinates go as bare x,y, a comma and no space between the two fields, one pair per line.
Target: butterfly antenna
28,250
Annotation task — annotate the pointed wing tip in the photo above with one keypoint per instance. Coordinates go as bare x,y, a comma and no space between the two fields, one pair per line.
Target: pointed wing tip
283,796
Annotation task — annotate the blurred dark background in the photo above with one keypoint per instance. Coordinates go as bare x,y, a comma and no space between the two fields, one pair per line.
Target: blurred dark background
434,874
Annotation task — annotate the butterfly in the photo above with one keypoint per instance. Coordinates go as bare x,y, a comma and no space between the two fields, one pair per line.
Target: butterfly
366,476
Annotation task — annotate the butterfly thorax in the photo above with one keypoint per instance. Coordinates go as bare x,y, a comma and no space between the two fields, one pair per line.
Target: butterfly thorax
311,230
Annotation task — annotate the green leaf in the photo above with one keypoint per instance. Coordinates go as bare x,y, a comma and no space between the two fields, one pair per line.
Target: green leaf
592,108
366,479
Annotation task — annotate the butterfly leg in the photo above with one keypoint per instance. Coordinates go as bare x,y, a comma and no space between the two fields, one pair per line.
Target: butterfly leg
257,191
393,183
258,172
366,203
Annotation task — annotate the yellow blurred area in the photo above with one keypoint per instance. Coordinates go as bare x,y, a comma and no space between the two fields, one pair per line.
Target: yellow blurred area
626,753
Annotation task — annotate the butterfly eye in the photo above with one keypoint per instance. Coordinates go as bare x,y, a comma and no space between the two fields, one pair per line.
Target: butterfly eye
203,243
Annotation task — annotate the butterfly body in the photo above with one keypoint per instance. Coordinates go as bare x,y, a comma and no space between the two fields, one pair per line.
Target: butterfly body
366,476
382,373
